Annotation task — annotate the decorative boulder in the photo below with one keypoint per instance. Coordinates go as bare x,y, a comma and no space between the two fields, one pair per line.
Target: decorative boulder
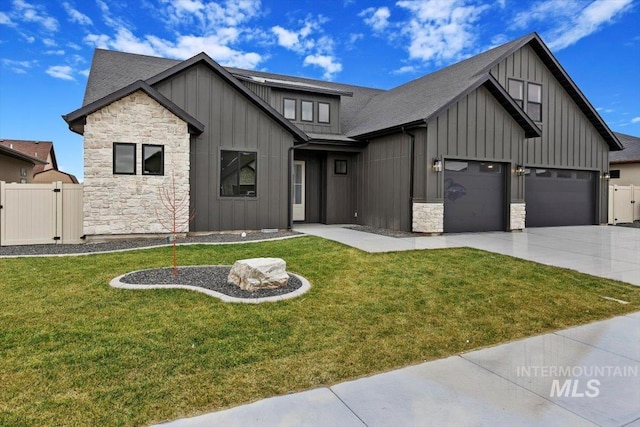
259,273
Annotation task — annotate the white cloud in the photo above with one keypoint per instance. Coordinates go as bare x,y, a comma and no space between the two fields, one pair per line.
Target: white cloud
85,72
49,42
37,14
635,120
326,62
405,70
76,16
54,52
287,39
18,67
569,20
377,19
298,40
441,31
63,72
5,20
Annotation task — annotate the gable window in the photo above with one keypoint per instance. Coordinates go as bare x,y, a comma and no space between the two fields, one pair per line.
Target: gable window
323,112
307,111
340,167
534,101
289,109
152,159
238,173
516,90
124,158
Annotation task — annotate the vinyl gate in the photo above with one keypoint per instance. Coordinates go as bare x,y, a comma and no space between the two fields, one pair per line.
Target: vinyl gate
624,203
32,214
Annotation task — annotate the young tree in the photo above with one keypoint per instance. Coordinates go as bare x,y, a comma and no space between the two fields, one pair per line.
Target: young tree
176,215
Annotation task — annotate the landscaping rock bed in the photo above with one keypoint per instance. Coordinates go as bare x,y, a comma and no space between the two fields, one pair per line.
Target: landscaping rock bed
208,277
118,245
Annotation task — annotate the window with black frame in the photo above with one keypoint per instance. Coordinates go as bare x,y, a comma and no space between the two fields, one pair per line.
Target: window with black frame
152,159
124,158
238,173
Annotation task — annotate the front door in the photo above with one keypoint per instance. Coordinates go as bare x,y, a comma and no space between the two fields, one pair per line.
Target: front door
298,190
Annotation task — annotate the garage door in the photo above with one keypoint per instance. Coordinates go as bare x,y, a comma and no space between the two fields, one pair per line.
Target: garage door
559,197
474,196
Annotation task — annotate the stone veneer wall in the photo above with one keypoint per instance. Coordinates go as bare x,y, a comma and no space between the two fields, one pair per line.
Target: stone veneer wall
126,204
428,218
517,216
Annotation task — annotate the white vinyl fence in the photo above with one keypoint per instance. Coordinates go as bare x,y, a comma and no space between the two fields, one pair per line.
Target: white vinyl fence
624,203
32,214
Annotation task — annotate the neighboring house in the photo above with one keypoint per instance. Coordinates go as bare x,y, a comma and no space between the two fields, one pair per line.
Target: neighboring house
16,166
46,169
495,142
625,165
53,175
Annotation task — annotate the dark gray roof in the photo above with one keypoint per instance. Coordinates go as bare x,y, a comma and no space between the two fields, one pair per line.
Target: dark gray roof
76,119
401,106
631,151
368,110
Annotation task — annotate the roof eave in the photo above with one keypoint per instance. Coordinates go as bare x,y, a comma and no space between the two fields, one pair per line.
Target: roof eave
531,130
77,118
21,156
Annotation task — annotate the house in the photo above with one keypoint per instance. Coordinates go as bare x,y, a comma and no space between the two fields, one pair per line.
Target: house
46,168
16,166
501,141
625,165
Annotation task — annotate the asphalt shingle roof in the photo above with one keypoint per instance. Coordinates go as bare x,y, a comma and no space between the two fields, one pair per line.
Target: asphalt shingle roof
36,149
631,151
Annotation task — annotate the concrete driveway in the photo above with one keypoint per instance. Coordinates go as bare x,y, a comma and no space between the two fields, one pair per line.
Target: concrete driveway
604,251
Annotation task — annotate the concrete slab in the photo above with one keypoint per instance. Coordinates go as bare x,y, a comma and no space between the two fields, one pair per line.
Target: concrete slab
620,335
318,407
596,384
452,392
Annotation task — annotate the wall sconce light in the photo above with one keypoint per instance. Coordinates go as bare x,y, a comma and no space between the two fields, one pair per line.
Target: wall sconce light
606,176
520,170
437,165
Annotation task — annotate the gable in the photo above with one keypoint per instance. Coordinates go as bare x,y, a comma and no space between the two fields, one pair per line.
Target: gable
569,137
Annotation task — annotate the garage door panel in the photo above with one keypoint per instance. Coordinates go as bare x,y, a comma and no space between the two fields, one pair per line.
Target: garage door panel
559,197
474,196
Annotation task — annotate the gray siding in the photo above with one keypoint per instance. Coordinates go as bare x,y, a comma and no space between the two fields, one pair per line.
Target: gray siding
231,122
383,183
313,164
476,127
568,139
333,127
262,91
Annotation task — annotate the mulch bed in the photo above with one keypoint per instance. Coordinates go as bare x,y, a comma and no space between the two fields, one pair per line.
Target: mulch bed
210,277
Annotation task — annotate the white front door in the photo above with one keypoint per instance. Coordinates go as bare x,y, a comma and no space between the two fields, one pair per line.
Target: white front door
298,190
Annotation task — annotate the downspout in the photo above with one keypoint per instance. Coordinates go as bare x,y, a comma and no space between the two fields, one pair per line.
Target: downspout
290,181
412,145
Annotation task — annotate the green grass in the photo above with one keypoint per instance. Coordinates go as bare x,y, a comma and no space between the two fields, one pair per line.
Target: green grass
74,351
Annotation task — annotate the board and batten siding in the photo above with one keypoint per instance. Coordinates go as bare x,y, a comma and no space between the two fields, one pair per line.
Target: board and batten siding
232,122
333,127
568,140
476,127
383,183
341,190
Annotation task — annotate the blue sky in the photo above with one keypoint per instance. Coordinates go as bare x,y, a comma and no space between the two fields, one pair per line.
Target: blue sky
46,47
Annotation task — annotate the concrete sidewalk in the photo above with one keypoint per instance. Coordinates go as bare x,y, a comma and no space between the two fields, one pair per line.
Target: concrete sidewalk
584,376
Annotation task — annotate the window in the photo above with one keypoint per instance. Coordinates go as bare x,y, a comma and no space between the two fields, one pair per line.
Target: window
23,172
544,173
289,109
323,112
534,101
614,173
238,173
124,158
307,111
340,167
152,159
564,174
490,167
516,90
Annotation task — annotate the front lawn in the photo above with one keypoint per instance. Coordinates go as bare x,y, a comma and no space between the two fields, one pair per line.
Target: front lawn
74,351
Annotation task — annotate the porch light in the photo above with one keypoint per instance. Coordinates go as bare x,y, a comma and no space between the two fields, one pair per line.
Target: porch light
520,170
437,165
606,176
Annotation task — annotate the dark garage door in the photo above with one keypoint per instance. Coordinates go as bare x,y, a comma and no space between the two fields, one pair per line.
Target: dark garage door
559,197
474,196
